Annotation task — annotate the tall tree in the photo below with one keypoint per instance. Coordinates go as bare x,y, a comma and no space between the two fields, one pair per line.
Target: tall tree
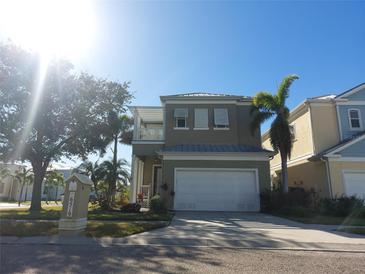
23,176
117,130
266,106
111,172
48,112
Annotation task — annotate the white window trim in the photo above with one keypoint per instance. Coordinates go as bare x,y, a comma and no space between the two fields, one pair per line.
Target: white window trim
181,128
221,128
214,120
349,117
201,128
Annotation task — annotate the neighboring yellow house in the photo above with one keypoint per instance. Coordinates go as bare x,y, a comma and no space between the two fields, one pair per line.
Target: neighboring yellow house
328,154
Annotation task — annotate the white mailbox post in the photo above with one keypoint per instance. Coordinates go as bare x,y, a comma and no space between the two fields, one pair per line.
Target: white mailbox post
75,204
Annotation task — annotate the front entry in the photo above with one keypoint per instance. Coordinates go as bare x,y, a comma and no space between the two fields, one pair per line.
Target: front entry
156,178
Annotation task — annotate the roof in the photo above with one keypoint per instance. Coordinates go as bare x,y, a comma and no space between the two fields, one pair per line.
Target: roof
206,95
82,178
350,90
213,148
344,142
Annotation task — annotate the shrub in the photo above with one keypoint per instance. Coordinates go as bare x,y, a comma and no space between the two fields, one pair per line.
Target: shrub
131,208
297,211
157,205
274,200
342,206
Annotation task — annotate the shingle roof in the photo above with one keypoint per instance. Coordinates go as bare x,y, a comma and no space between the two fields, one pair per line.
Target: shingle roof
213,148
340,144
343,93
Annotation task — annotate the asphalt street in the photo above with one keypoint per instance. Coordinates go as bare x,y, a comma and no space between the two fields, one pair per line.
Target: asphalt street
149,259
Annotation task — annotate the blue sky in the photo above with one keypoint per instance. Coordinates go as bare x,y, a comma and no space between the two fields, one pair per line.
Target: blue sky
229,47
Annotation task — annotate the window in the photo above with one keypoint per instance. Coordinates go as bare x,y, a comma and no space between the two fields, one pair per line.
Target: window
201,118
293,132
354,118
221,118
181,115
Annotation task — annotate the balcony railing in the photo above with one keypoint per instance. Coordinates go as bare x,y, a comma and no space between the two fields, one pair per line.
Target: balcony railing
150,134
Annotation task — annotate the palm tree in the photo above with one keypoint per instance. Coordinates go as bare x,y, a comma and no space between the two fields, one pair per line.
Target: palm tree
92,170
54,179
117,130
5,173
111,172
23,176
266,106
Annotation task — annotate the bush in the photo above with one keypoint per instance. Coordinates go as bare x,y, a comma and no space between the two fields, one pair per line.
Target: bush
297,211
131,208
342,206
274,200
157,205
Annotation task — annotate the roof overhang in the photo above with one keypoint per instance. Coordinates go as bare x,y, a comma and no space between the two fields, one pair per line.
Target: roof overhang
149,114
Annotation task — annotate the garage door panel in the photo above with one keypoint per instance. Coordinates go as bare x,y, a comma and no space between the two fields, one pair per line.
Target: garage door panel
355,184
223,190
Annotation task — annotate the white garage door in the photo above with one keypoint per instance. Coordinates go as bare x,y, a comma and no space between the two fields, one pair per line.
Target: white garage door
216,190
355,183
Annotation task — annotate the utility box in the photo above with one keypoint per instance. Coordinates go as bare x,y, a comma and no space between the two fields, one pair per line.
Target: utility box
75,205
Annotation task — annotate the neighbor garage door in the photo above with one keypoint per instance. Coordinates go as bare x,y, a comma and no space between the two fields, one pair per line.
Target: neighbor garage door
216,190
355,183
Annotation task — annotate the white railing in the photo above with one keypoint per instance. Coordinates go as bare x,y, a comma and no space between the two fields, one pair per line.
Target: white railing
150,134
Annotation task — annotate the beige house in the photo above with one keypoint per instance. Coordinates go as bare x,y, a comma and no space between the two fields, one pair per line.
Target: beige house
328,154
197,152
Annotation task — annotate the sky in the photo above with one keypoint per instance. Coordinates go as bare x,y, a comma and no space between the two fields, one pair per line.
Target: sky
227,47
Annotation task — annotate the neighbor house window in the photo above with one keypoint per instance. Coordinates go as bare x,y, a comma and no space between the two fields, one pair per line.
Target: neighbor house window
354,118
293,132
221,118
181,116
201,118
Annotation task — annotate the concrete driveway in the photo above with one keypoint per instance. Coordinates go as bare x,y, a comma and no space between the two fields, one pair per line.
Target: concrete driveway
247,230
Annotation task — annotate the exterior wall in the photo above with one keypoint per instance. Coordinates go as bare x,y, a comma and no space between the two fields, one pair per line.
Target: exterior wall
302,145
345,122
238,133
325,126
336,174
146,149
169,165
355,150
358,96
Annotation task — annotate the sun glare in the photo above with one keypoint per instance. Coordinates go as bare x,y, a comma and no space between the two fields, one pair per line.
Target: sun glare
52,27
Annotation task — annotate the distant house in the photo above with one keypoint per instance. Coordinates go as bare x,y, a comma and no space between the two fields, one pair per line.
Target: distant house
328,154
197,152
10,188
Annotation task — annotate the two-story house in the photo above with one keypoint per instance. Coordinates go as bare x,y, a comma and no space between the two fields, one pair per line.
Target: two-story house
328,154
197,152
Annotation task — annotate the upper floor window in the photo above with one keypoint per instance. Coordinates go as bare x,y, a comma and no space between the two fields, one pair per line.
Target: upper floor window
355,119
221,118
293,132
181,116
201,118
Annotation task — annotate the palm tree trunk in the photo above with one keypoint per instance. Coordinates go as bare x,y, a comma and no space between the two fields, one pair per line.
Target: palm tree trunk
284,173
115,160
21,194
26,193
55,198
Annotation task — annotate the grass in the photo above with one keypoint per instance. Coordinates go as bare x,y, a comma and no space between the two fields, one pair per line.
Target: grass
357,230
316,218
94,228
54,212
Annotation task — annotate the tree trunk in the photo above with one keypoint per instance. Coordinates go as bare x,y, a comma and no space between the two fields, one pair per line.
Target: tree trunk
284,173
21,193
39,171
26,193
55,199
113,186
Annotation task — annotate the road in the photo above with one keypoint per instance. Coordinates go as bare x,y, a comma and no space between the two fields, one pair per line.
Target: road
152,259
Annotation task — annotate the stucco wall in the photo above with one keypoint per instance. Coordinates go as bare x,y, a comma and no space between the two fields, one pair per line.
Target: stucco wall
168,172
238,133
336,168
325,126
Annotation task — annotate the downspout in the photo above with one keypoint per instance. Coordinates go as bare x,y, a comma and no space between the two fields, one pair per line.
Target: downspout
328,171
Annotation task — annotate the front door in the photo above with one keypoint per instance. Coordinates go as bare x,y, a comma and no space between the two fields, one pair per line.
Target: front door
157,179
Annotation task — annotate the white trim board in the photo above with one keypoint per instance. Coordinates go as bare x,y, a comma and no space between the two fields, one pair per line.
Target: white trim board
347,159
137,142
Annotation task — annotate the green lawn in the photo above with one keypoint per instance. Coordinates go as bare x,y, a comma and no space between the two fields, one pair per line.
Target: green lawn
325,219
94,228
357,230
53,213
